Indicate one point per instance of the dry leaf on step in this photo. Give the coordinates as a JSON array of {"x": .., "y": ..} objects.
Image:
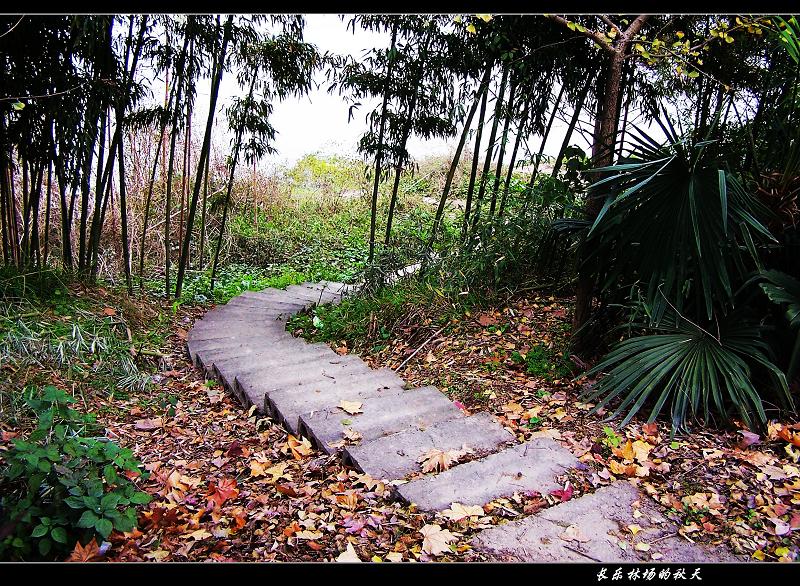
[
  {"x": 436, "y": 460},
  {"x": 351, "y": 407}
]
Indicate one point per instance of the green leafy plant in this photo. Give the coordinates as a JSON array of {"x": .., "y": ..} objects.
[
  {"x": 693, "y": 370},
  {"x": 62, "y": 485},
  {"x": 784, "y": 289},
  {"x": 612, "y": 440}
]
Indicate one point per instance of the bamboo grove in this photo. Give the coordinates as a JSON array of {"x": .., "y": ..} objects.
[{"x": 80, "y": 131}]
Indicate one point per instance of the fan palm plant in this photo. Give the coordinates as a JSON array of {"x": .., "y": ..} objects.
[{"x": 687, "y": 233}]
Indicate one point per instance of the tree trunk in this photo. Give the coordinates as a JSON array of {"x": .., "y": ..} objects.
[
  {"x": 483, "y": 88},
  {"x": 123, "y": 214},
  {"x": 604, "y": 155},
  {"x": 201, "y": 163},
  {"x": 546, "y": 135},
  {"x": 571, "y": 128},
  {"x": 379, "y": 154},
  {"x": 512, "y": 162},
  {"x": 476, "y": 154},
  {"x": 499, "y": 170},
  {"x": 203, "y": 214},
  {"x": 490, "y": 147}
]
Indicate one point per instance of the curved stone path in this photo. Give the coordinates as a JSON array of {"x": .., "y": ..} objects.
[{"x": 244, "y": 345}]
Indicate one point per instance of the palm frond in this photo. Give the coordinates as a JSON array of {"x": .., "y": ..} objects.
[{"x": 698, "y": 373}]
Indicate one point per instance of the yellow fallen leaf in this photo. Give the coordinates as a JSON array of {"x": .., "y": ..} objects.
[
  {"x": 351, "y": 407},
  {"x": 641, "y": 451},
  {"x": 299, "y": 447},
  {"x": 642, "y": 547},
  {"x": 625, "y": 452},
  {"x": 457, "y": 511},
  {"x": 634, "y": 529},
  {"x": 198, "y": 535},
  {"x": 394, "y": 557}
]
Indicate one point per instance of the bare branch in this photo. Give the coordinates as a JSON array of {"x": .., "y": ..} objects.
[
  {"x": 593, "y": 35},
  {"x": 610, "y": 23}
]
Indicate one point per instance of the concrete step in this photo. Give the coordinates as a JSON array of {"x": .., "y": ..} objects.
[
  {"x": 531, "y": 466},
  {"x": 256, "y": 387},
  {"x": 264, "y": 305},
  {"x": 309, "y": 296},
  {"x": 220, "y": 319},
  {"x": 276, "y": 349},
  {"x": 291, "y": 403},
  {"x": 258, "y": 341},
  {"x": 222, "y": 329},
  {"x": 392, "y": 457},
  {"x": 413, "y": 409},
  {"x": 313, "y": 368},
  {"x": 590, "y": 528}
]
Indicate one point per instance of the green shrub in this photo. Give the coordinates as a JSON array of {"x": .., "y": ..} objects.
[{"x": 62, "y": 485}]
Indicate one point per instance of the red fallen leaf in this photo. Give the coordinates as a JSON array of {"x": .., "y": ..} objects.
[
  {"x": 486, "y": 319},
  {"x": 710, "y": 527},
  {"x": 9, "y": 435},
  {"x": 650, "y": 429},
  {"x": 292, "y": 529},
  {"x": 286, "y": 489},
  {"x": 559, "y": 313},
  {"x": 90, "y": 553},
  {"x": 748, "y": 439},
  {"x": 564, "y": 494},
  {"x": 109, "y": 311},
  {"x": 219, "y": 493},
  {"x": 780, "y": 509},
  {"x": 794, "y": 523},
  {"x": 234, "y": 450},
  {"x": 314, "y": 545},
  {"x": 182, "y": 334}
]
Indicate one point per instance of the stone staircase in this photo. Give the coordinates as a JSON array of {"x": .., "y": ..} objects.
[{"x": 245, "y": 346}]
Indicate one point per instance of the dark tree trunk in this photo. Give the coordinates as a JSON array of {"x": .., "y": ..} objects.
[
  {"x": 379, "y": 154},
  {"x": 484, "y": 87},
  {"x": 476, "y": 155},
  {"x": 201, "y": 163},
  {"x": 546, "y": 135},
  {"x": 512, "y": 162},
  {"x": 571, "y": 128},
  {"x": 499, "y": 169},
  {"x": 490, "y": 147}
]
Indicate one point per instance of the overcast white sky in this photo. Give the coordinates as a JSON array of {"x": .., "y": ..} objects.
[{"x": 318, "y": 122}]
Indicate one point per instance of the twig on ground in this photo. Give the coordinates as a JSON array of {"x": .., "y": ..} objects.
[{"x": 414, "y": 353}]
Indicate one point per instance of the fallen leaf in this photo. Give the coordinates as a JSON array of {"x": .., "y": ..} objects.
[
  {"x": 573, "y": 533},
  {"x": 348, "y": 555},
  {"x": 148, "y": 424},
  {"x": 564, "y": 494},
  {"x": 486, "y": 319},
  {"x": 299, "y": 447},
  {"x": 457, "y": 511},
  {"x": 351, "y": 407},
  {"x": 436, "y": 460},
  {"x": 625, "y": 452},
  {"x": 109, "y": 311},
  {"x": 748, "y": 439},
  {"x": 436, "y": 539},
  {"x": 308, "y": 534},
  {"x": 89, "y": 553},
  {"x": 219, "y": 493},
  {"x": 641, "y": 451}
]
